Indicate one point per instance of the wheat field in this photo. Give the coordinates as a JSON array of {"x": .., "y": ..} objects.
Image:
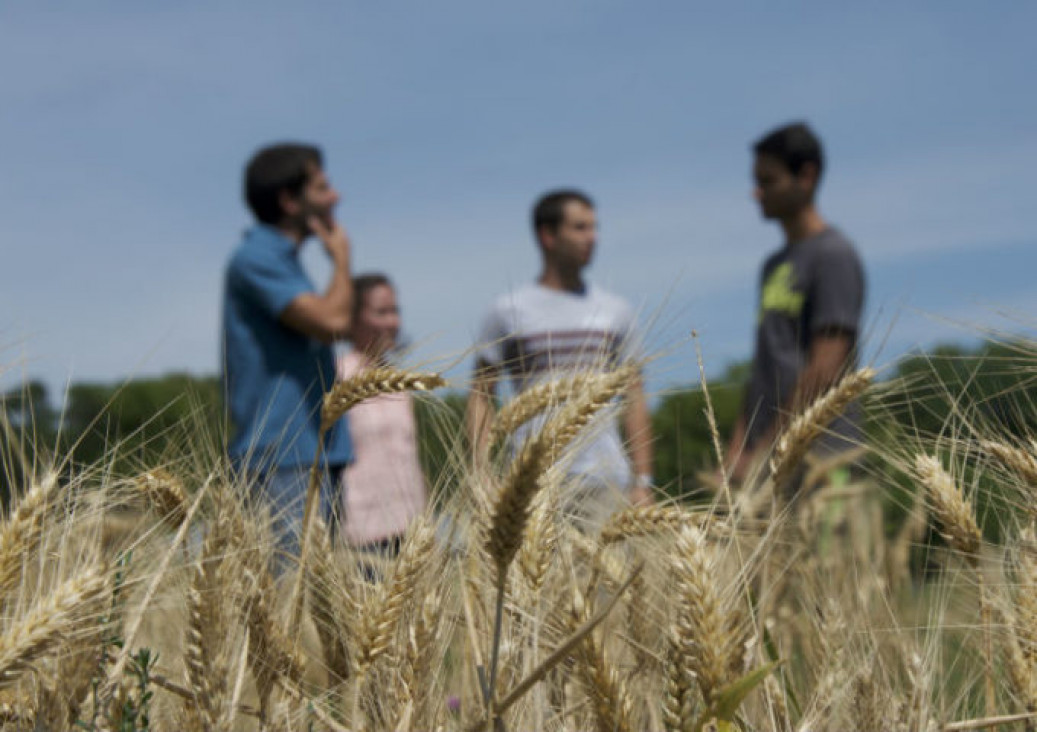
[{"x": 145, "y": 601}]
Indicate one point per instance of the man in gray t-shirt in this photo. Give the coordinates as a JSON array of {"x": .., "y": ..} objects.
[{"x": 810, "y": 303}]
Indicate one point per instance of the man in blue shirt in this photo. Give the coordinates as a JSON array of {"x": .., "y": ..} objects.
[{"x": 277, "y": 335}]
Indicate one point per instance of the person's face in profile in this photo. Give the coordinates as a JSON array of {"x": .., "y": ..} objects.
[
  {"x": 318, "y": 198},
  {"x": 780, "y": 193},
  {"x": 574, "y": 241},
  {"x": 377, "y": 322}
]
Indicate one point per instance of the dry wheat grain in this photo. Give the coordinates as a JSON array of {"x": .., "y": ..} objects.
[
  {"x": 794, "y": 442},
  {"x": 383, "y": 380},
  {"x": 49, "y": 621},
  {"x": 952, "y": 509}
]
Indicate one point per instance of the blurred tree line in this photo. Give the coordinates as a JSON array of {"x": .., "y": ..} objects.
[{"x": 145, "y": 422}]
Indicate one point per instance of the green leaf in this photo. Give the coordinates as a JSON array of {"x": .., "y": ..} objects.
[{"x": 721, "y": 712}]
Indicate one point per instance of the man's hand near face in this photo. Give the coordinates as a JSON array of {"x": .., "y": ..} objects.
[
  {"x": 326, "y": 317},
  {"x": 334, "y": 238}
]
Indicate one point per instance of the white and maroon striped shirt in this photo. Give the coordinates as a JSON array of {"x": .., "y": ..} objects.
[{"x": 536, "y": 334}]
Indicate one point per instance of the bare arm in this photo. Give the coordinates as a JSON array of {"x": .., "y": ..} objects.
[
  {"x": 479, "y": 411},
  {"x": 826, "y": 363},
  {"x": 326, "y": 317},
  {"x": 736, "y": 458},
  {"x": 638, "y": 426}
]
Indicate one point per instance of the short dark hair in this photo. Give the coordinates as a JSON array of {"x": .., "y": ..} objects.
[
  {"x": 549, "y": 211},
  {"x": 363, "y": 284},
  {"x": 795, "y": 145},
  {"x": 276, "y": 168}
]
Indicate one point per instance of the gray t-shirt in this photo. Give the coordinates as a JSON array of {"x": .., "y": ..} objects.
[{"x": 813, "y": 286}]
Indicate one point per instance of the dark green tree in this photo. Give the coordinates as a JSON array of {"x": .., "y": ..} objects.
[{"x": 683, "y": 441}]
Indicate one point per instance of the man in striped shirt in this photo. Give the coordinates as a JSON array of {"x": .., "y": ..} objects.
[{"x": 558, "y": 325}]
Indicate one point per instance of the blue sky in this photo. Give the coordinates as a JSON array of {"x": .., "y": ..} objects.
[{"x": 124, "y": 128}]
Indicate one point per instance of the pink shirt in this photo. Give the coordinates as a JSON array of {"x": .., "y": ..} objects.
[{"x": 384, "y": 488}]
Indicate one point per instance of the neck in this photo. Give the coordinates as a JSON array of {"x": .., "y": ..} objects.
[
  {"x": 554, "y": 278},
  {"x": 292, "y": 233},
  {"x": 803, "y": 225}
]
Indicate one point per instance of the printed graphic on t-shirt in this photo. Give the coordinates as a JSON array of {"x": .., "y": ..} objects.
[{"x": 779, "y": 293}]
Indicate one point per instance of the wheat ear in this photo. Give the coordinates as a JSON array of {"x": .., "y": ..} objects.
[
  {"x": 49, "y": 622},
  {"x": 272, "y": 657},
  {"x": 165, "y": 492},
  {"x": 955, "y": 516},
  {"x": 511, "y": 512},
  {"x": 707, "y": 630},
  {"x": 535, "y": 400},
  {"x": 22, "y": 531},
  {"x": 610, "y": 701},
  {"x": 1024, "y": 598},
  {"x": 382, "y": 615},
  {"x": 1019, "y": 461},
  {"x": 417, "y": 673},
  {"x": 953, "y": 511},
  {"x": 348, "y": 393},
  {"x": 134, "y": 625},
  {"x": 205, "y": 677},
  {"x": 804, "y": 429},
  {"x": 638, "y": 521},
  {"x": 334, "y": 606},
  {"x": 540, "y": 542}
]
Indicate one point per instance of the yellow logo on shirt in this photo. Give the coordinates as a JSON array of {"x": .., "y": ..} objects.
[{"x": 778, "y": 294}]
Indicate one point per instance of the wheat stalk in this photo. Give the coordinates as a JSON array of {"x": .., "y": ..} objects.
[{"x": 804, "y": 429}]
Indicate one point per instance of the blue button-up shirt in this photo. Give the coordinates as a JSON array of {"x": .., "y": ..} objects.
[{"x": 274, "y": 377}]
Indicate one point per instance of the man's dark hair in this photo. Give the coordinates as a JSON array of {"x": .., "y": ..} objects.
[
  {"x": 363, "y": 284},
  {"x": 283, "y": 167},
  {"x": 795, "y": 145},
  {"x": 549, "y": 211}
]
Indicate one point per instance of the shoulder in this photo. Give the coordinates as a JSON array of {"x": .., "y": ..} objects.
[
  {"x": 517, "y": 298},
  {"x": 607, "y": 299},
  {"x": 610, "y": 304},
  {"x": 834, "y": 243},
  {"x": 349, "y": 364},
  {"x": 262, "y": 250},
  {"x": 772, "y": 260}
]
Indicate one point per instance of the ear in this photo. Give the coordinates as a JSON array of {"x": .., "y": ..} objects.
[
  {"x": 290, "y": 206},
  {"x": 808, "y": 175},
  {"x": 546, "y": 238}
]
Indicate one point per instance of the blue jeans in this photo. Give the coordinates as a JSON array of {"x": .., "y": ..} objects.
[{"x": 283, "y": 493}]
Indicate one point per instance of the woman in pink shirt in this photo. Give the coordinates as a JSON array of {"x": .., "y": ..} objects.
[{"x": 383, "y": 489}]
